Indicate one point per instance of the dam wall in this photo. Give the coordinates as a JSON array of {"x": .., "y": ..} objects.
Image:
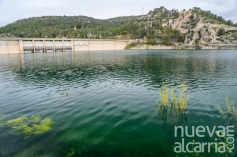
[
  {"x": 9, "y": 47},
  {"x": 34, "y": 45}
]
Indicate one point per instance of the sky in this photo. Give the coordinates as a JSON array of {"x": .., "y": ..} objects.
[{"x": 12, "y": 10}]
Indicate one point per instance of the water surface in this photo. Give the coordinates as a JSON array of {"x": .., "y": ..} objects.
[{"x": 109, "y": 107}]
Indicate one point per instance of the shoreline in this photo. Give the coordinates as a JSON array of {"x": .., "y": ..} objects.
[{"x": 203, "y": 47}]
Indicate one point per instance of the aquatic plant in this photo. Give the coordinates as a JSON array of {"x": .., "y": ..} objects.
[
  {"x": 2, "y": 117},
  {"x": 28, "y": 125},
  {"x": 180, "y": 102},
  {"x": 66, "y": 92},
  {"x": 231, "y": 109},
  {"x": 164, "y": 95},
  {"x": 168, "y": 104},
  {"x": 70, "y": 153}
]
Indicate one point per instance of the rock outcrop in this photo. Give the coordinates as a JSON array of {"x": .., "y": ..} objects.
[{"x": 195, "y": 29}]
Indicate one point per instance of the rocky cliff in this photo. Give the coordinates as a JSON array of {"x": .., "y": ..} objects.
[{"x": 197, "y": 26}]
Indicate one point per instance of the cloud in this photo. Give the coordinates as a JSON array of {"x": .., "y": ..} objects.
[{"x": 12, "y": 10}]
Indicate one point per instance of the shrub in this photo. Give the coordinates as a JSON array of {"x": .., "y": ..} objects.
[
  {"x": 181, "y": 39},
  {"x": 130, "y": 45},
  {"x": 124, "y": 33},
  {"x": 151, "y": 39},
  {"x": 152, "y": 42}
]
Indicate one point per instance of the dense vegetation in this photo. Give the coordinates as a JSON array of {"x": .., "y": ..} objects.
[{"x": 67, "y": 26}]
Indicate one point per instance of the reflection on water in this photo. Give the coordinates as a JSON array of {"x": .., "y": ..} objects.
[{"x": 103, "y": 103}]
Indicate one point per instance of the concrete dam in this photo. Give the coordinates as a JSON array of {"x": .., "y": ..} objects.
[{"x": 34, "y": 45}]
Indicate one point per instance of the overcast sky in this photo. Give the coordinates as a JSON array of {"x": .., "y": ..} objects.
[{"x": 12, "y": 10}]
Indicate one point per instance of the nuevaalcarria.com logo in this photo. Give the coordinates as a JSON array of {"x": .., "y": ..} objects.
[{"x": 223, "y": 143}]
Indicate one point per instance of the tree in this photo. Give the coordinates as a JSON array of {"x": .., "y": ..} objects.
[
  {"x": 157, "y": 25},
  {"x": 151, "y": 39},
  {"x": 221, "y": 32},
  {"x": 229, "y": 22},
  {"x": 196, "y": 8},
  {"x": 166, "y": 40},
  {"x": 176, "y": 34}
]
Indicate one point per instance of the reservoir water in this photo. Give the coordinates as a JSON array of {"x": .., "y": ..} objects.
[{"x": 103, "y": 103}]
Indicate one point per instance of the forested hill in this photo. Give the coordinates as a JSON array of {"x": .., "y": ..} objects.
[
  {"x": 194, "y": 26},
  {"x": 72, "y": 26}
]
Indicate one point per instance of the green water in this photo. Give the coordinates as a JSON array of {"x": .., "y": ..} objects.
[{"x": 109, "y": 108}]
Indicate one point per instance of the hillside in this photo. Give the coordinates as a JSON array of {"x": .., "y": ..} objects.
[
  {"x": 194, "y": 26},
  {"x": 70, "y": 26}
]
